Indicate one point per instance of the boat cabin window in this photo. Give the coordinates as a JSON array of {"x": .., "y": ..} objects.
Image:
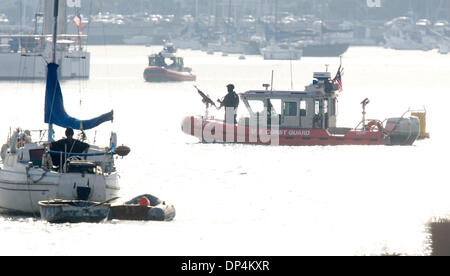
[
  {"x": 152, "y": 61},
  {"x": 318, "y": 114},
  {"x": 275, "y": 106},
  {"x": 325, "y": 111},
  {"x": 36, "y": 156},
  {"x": 302, "y": 108},
  {"x": 290, "y": 109},
  {"x": 256, "y": 105},
  {"x": 332, "y": 108},
  {"x": 176, "y": 61},
  {"x": 180, "y": 61},
  {"x": 316, "y": 107},
  {"x": 163, "y": 61}
]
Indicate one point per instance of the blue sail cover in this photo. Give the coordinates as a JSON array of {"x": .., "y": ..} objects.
[{"x": 54, "y": 106}]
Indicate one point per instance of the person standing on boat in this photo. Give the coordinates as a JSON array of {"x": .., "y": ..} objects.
[
  {"x": 231, "y": 103},
  {"x": 160, "y": 60},
  {"x": 67, "y": 145}
]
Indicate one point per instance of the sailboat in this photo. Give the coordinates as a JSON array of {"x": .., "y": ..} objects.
[{"x": 27, "y": 171}]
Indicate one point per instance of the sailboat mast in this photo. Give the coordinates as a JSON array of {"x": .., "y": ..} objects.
[{"x": 55, "y": 28}]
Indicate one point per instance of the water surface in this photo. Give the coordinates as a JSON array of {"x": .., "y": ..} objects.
[{"x": 246, "y": 199}]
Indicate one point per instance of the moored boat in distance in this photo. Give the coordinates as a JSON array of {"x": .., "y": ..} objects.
[
  {"x": 301, "y": 118},
  {"x": 281, "y": 52},
  {"x": 324, "y": 49},
  {"x": 159, "y": 71}
]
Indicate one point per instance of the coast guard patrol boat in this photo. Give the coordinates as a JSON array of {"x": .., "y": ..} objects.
[{"x": 301, "y": 118}]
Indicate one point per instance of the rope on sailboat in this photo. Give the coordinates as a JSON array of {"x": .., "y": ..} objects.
[{"x": 27, "y": 168}]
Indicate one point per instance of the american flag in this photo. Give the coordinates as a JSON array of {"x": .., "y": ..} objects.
[
  {"x": 338, "y": 78},
  {"x": 77, "y": 20}
]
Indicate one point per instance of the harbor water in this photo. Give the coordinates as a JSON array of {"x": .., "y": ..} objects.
[{"x": 245, "y": 199}]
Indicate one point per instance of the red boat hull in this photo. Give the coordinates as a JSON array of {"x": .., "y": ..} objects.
[
  {"x": 161, "y": 74},
  {"x": 210, "y": 131}
]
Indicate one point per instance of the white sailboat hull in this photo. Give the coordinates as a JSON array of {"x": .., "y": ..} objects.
[{"x": 21, "y": 193}]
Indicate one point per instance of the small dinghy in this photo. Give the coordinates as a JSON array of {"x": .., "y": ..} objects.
[
  {"x": 143, "y": 207},
  {"x": 61, "y": 211}
]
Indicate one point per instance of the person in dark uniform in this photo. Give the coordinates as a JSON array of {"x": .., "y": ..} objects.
[
  {"x": 67, "y": 145},
  {"x": 160, "y": 60},
  {"x": 231, "y": 103}
]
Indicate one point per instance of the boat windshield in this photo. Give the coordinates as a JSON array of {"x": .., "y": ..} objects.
[
  {"x": 172, "y": 62},
  {"x": 264, "y": 105},
  {"x": 256, "y": 106},
  {"x": 275, "y": 106}
]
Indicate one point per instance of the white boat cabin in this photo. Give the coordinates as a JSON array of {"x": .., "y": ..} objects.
[
  {"x": 313, "y": 108},
  {"x": 167, "y": 60}
]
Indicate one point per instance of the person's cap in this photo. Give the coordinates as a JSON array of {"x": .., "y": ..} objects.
[
  {"x": 230, "y": 86},
  {"x": 69, "y": 131}
]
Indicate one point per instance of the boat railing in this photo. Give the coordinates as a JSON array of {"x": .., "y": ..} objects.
[
  {"x": 23, "y": 137},
  {"x": 106, "y": 165},
  {"x": 418, "y": 112},
  {"x": 410, "y": 111},
  {"x": 71, "y": 154},
  {"x": 33, "y": 45},
  {"x": 364, "y": 123}
]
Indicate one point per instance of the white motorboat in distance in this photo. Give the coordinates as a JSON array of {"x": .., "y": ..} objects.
[{"x": 277, "y": 52}]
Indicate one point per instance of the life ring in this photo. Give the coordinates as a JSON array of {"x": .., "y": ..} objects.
[{"x": 374, "y": 123}]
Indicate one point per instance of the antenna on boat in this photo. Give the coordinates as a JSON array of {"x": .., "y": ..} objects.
[
  {"x": 55, "y": 28},
  {"x": 326, "y": 67},
  {"x": 364, "y": 103},
  {"x": 292, "y": 86},
  {"x": 271, "y": 83}
]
